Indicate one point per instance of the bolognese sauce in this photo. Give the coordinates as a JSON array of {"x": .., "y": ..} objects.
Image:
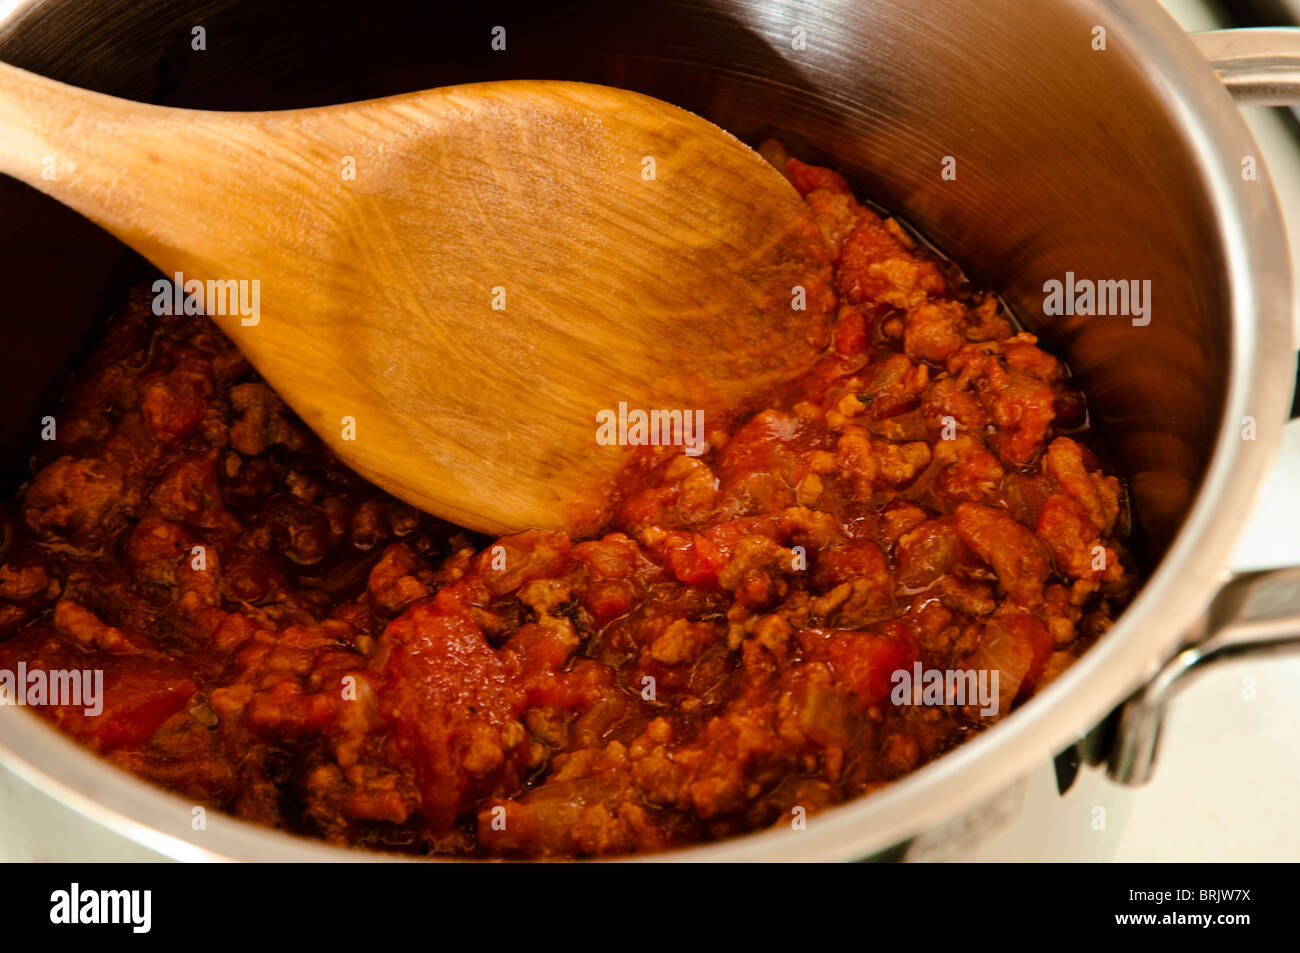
[{"x": 284, "y": 641}]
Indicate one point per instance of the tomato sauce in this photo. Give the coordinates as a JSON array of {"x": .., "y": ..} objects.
[{"x": 282, "y": 640}]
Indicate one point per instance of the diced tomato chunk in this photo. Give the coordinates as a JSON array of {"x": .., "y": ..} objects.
[
  {"x": 865, "y": 661},
  {"x": 807, "y": 178},
  {"x": 139, "y": 696},
  {"x": 693, "y": 559}
]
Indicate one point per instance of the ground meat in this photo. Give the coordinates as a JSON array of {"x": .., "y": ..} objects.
[
  {"x": 78, "y": 500},
  {"x": 933, "y": 330},
  {"x": 1009, "y": 548},
  {"x": 284, "y": 641},
  {"x": 264, "y": 421}
]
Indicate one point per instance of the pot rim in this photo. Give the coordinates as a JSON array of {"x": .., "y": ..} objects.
[{"x": 1262, "y": 365}]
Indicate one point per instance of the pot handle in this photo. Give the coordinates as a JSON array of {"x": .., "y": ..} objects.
[
  {"x": 1259, "y": 66},
  {"x": 1255, "y": 613}
]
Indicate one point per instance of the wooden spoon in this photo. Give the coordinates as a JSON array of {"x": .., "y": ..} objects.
[{"x": 453, "y": 285}]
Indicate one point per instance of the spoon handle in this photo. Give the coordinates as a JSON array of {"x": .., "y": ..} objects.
[
  {"x": 162, "y": 180},
  {"x": 44, "y": 126},
  {"x": 94, "y": 153}
]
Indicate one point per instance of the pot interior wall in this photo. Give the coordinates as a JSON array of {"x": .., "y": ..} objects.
[{"x": 1065, "y": 160}]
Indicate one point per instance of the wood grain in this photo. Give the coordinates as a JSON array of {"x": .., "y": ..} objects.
[{"x": 377, "y": 292}]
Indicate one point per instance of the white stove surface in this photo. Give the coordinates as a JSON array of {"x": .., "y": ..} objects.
[{"x": 1228, "y": 778}]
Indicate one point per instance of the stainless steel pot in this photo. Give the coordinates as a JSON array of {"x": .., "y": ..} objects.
[{"x": 1090, "y": 136}]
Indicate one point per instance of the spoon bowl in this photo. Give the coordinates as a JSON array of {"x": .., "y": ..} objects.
[{"x": 467, "y": 292}]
